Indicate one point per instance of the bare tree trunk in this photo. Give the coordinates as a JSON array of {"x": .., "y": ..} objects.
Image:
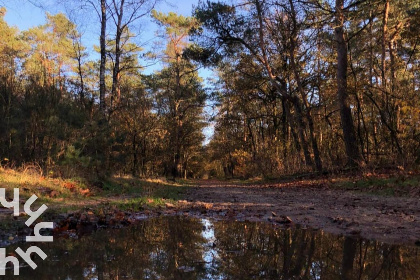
[
  {"x": 134, "y": 150},
  {"x": 115, "y": 91},
  {"x": 301, "y": 131},
  {"x": 394, "y": 123},
  {"x": 279, "y": 85},
  {"x": 292, "y": 50},
  {"x": 384, "y": 35},
  {"x": 80, "y": 73},
  {"x": 102, "y": 105},
  {"x": 352, "y": 150},
  {"x": 178, "y": 126},
  {"x": 360, "y": 117}
]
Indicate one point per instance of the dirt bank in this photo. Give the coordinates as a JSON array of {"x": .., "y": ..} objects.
[{"x": 388, "y": 219}]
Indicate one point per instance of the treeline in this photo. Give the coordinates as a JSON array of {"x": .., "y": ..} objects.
[
  {"x": 73, "y": 115},
  {"x": 302, "y": 86},
  {"x": 313, "y": 85}
]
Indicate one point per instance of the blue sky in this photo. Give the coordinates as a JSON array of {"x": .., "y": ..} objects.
[{"x": 24, "y": 15}]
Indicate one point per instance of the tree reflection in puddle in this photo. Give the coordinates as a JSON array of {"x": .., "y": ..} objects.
[{"x": 186, "y": 248}]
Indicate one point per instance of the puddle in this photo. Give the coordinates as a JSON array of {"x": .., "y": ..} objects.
[{"x": 175, "y": 247}]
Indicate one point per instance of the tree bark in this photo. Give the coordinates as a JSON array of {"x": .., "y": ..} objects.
[
  {"x": 301, "y": 131},
  {"x": 80, "y": 72},
  {"x": 352, "y": 150},
  {"x": 394, "y": 122},
  {"x": 292, "y": 50},
  {"x": 134, "y": 150},
  {"x": 384, "y": 35},
  {"x": 263, "y": 58},
  {"x": 115, "y": 91},
  {"x": 102, "y": 105}
]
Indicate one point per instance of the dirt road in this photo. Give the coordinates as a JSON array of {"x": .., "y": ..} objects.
[{"x": 388, "y": 219}]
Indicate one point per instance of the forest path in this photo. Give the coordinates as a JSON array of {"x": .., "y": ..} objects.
[{"x": 388, "y": 219}]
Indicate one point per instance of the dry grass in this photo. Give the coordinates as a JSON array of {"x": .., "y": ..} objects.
[
  {"x": 43, "y": 187},
  {"x": 72, "y": 194}
]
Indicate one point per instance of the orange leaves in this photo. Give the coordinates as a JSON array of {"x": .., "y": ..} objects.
[
  {"x": 74, "y": 188},
  {"x": 69, "y": 186}
]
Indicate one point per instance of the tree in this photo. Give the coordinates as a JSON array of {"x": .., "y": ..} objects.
[
  {"x": 101, "y": 8},
  {"x": 234, "y": 34},
  {"x": 124, "y": 13},
  {"x": 301, "y": 86},
  {"x": 349, "y": 136},
  {"x": 298, "y": 65},
  {"x": 12, "y": 52},
  {"x": 179, "y": 94},
  {"x": 102, "y": 88}
]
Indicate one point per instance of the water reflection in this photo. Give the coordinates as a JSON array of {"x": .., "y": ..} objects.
[{"x": 185, "y": 248}]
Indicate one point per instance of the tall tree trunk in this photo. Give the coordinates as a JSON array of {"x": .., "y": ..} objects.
[
  {"x": 115, "y": 91},
  {"x": 292, "y": 51},
  {"x": 80, "y": 73},
  {"x": 395, "y": 108},
  {"x": 289, "y": 128},
  {"x": 301, "y": 130},
  {"x": 384, "y": 35},
  {"x": 352, "y": 150},
  {"x": 102, "y": 105},
  {"x": 280, "y": 86},
  {"x": 178, "y": 125},
  {"x": 134, "y": 150},
  {"x": 360, "y": 116}
]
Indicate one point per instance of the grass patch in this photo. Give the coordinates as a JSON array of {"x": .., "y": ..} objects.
[
  {"x": 152, "y": 195},
  {"x": 386, "y": 186},
  {"x": 64, "y": 195}
]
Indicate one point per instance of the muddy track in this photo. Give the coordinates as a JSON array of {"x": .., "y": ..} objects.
[{"x": 388, "y": 219}]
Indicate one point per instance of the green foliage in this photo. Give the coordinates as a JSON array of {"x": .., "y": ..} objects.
[
  {"x": 49, "y": 112},
  {"x": 74, "y": 157}
]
